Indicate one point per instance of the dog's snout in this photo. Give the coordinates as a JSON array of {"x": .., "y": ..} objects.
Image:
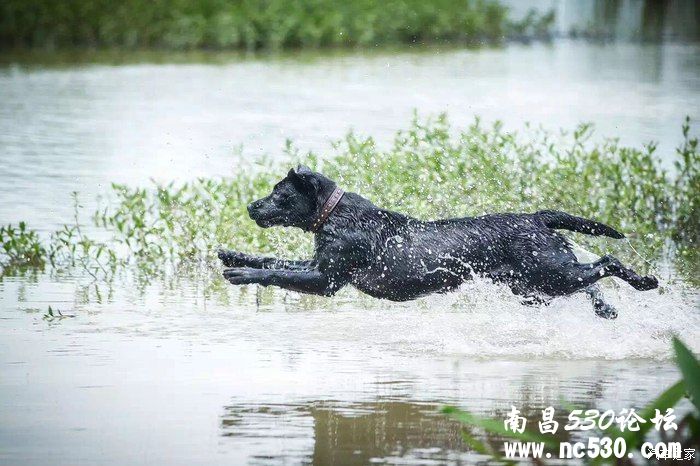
[{"x": 254, "y": 207}]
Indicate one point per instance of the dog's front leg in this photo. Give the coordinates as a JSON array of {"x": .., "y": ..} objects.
[
  {"x": 303, "y": 281},
  {"x": 239, "y": 259}
]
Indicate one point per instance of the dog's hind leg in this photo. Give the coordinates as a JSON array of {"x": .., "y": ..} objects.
[
  {"x": 638, "y": 282},
  {"x": 572, "y": 277},
  {"x": 527, "y": 296},
  {"x": 534, "y": 300},
  {"x": 602, "y": 309}
]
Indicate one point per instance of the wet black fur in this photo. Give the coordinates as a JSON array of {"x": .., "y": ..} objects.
[{"x": 393, "y": 256}]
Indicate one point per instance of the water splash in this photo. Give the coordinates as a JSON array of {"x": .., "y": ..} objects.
[{"x": 483, "y": 320}]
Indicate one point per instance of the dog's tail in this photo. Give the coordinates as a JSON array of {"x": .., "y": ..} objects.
[{"x": 558, "y": 220}]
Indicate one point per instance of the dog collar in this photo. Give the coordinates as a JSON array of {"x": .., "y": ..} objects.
[{"x": 327, "y": 208}]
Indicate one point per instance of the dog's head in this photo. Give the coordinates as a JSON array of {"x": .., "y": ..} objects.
[{"x": 295, "y": 201}]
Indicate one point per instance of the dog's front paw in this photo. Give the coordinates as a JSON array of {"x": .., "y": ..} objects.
[
  {"x": 232, "y": 258},
  {"x": 242, "y": 276},
  {"x": 648, "y": 283},
  {"x": 606, "y": 311}
]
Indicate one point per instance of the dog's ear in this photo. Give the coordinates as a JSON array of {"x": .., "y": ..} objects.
[
  {"x": 303, "y": 170},
  {"x": 306, "y": 177}
]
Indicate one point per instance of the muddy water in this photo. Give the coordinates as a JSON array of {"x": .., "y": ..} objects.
[{"x": 194, "y": 372}]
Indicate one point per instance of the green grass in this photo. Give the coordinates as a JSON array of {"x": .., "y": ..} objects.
[
  {"x": 258, "y": 24},
  {"x": 430, "y": 171}
]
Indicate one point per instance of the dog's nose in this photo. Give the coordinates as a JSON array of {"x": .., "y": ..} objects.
[{"x": 251, "y": 208}]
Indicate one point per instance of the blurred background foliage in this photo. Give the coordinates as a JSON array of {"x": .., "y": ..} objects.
[{"x": 258, "y": 24}]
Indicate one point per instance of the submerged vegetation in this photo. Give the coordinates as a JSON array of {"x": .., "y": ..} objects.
[
  {"x": 253, "y": 24},
  {"x": 431, "y": 170}
]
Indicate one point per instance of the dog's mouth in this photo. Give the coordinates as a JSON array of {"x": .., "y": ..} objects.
[
  {"x": 265, "y": 218},
  {"x": 264, "y": 223},
  {"x": 267, "y": 222}
]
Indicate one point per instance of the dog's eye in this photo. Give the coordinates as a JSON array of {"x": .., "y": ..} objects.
[{"x": 282, "y": 197}]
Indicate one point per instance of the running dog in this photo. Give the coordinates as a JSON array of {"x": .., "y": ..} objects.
[{"x": 393, "y": 256}]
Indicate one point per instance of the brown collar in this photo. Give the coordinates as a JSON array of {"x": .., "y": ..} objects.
[{"x": 327, "y": 209}]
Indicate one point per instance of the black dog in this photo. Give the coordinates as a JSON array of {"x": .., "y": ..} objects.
[{"x": 389, "y": 255}]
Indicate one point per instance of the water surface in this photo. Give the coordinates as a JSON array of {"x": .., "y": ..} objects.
[
  {"x": 195, "y": 372},
  {"x": 181, "y": 376},
  {"x": 81, "y": 128}
]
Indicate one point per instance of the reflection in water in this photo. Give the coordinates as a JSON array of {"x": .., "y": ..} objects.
[
  {"x": 653, "y": 15},
  {"x": 385, "y": 431},
  {"x": 647, "y": 20},
  {"x": 350, "y": 433},
  {"x": 666, "y": 19}
]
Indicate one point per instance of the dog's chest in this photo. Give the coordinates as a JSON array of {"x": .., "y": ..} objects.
[
  {"x": 388, "y": 267},
  {"x": 375, "y": 282},
  {"x": 399, "y": 271}
]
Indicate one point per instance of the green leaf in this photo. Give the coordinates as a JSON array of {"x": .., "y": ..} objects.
[
  {"x": 497, "y": 427},
  {"x": 690, "y": 368},
  {"x": 483, "y": 448},
  {"x": 667, "y": 399},
  {"x": 476, "y": 445}
]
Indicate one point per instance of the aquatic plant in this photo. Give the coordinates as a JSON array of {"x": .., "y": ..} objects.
[
  {"x": 431, "y": 170},
  {"x": 687, "y": 187},
  {"x": 70, "y": 247},
  {"x": 253, "y": 24},
  {"x": 688, "y": 427},
  {"x": 432, "y": 173},
  {"x": 21, "y": 247},
  {"x": 55, "y": 314}
]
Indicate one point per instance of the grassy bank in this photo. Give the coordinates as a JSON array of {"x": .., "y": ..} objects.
[
  {"x": 253, "y": 24},
  {"x": 430, "y": 171}
]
